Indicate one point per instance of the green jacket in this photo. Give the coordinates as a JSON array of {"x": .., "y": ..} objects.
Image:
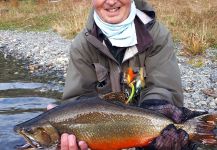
[{"x": 91, "y": 62}]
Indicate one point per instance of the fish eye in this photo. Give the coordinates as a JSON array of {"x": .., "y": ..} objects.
[{"x": 28, "y": 130}]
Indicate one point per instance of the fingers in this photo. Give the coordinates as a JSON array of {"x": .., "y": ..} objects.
[
  {"x": 183, "y": 137},
  {"x": 172, "y": 139},
  {"x": 72, "y": 142},
  {"x": 69, "y": 142},
  {"x": 50, "y": 106},
  {"x": 64, "y": 142},
  {"x": 82, "y": 145}
]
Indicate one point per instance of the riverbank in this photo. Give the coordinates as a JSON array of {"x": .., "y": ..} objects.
[{"x": 46, "y": 53}]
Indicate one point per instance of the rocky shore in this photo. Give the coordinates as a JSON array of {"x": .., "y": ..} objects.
[{"x": 46, "y": 53}]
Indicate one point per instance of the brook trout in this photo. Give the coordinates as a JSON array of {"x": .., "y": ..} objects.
[{"x": 108, "y": 126}]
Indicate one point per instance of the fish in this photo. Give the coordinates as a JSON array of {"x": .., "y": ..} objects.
[{"x": 106, "y": 125}]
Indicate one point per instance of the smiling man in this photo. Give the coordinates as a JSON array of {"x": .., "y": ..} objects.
[
  {"x": 123, "y": 34},
  {"x": 112, "y": 11}
]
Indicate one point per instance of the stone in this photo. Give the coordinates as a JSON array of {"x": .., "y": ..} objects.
[
  {"x": 213, "y": 75},
  {"x": 212, "y": 104}
]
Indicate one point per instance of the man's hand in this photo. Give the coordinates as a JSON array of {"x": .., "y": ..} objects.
[
  {"x": 50, "y": 106},
  {"x": 68, "y": 141},
  {"x": 171, "y": 138}
]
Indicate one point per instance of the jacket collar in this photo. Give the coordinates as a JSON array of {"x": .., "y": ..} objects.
[{"x": 144, "y": 39}]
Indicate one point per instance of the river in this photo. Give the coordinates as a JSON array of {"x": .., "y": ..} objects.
[{"x": 22, "y": 96}]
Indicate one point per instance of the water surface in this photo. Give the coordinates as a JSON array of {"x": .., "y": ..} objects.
[{"x": 22, "y": 97}]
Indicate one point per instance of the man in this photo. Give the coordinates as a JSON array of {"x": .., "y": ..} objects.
[{"x": 122, "y": 34}]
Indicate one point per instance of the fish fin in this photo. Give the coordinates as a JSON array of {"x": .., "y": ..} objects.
[{"x": 205, "y": 131}]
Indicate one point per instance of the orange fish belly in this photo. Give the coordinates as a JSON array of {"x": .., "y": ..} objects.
[{"x": 118, "y": 144}]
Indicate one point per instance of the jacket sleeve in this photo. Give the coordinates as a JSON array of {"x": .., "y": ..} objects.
[
  {"x": 163, "y": 79},
  {"x": 81, "y": 78}
]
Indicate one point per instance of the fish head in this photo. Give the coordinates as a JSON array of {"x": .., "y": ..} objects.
[{"x": 38, "y": 135}]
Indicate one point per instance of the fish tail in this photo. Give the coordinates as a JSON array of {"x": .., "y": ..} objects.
[{"x": 204, "y": 130}]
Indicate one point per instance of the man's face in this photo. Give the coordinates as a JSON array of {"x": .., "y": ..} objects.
[{"x": 112, "y": 11}]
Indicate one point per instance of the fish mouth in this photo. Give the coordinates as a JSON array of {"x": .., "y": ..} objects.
[{"x": 30, "y": 142}]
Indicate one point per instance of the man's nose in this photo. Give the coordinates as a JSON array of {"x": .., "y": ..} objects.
[{"x": 111, "y": 2}]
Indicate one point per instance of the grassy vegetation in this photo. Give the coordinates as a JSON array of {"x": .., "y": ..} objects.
[
  {"x": 192, "y": 22},
  {"x": 66, "y": 17},
  {"x": 196, "y": 62}
]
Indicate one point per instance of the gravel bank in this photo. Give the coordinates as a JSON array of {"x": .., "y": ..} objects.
[{"x": 47, "y": 53}]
